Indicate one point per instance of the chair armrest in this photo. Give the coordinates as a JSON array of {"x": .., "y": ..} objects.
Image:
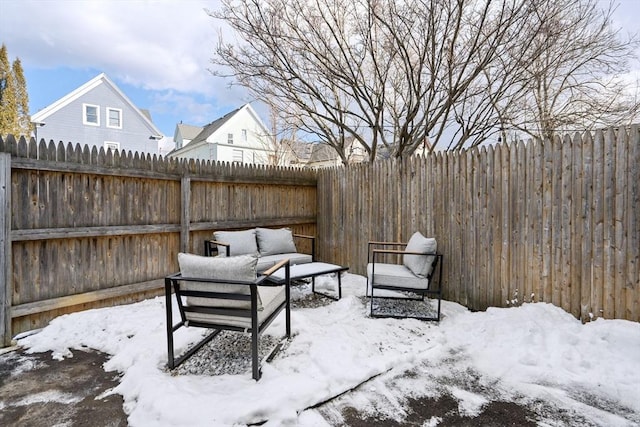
[
  {"x": 313, "y": 244},
  {"x": 377, "y": 252},
  {"x": 304, "y": 236},
  {"x": 287, "y": 280},
  {"x": 209, "y": 246},
  {"x": 399, "y": 252},
  {"x": 376, "y": 243},
  {"x": 275, "y": 268},
  {"x": 371, "y": 242}
]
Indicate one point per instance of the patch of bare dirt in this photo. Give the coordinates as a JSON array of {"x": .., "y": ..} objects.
[{"x": 36, "y": 390}]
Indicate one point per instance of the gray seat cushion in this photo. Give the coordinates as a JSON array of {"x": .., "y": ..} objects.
[
  {"x": 396, "y": 275},
  {"x": 266, "y": 262},
  {"x": 420, "y": 265},
  {"x": 271, "y": 296},
  {"x": 241, "y": 267},
  {"x": 241, "y": 242},
  {"x": 273, "y": 242}
]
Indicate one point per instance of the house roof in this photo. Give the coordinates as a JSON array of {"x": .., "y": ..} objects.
[
  {"x": 300, "y": 150},
  {"x": 209, "y": 129},
  {"x": 189, "y": 131},
  {"x": 101, "y": 78},
  {"x": 312, "y": 152},
  {"x": 322, "y": 152}
]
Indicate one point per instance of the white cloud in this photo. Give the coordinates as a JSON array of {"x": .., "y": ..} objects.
[{"x": 156, "y": 45}]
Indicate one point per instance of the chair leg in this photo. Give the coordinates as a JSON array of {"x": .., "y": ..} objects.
[
  {"x": 366, "y": 290},
  {"x": 371, "y": 303},
  {"x": 287, "y": 317},
  {"x": 169, "y": 320},
  {"x": 255, "y": 359}
]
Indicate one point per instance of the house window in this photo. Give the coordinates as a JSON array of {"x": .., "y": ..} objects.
[
  {"x": 91, "y": 114},
  {"x": 244, "y": 135},
  {"x": 114, "y": 118},
  {"x": 238, "y": 156},
  {"x": 229, "y": 138},
  {"x": 114, "y": 146}
]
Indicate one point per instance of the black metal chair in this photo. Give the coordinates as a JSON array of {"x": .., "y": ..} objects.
[
  {"x": 385, "y": 276},
  {"x": 219, "y": 303}
]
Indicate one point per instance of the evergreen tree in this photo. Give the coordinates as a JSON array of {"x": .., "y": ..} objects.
[
  {"x": 14, "y": 100},
  {"x": 22, "y": 98}
]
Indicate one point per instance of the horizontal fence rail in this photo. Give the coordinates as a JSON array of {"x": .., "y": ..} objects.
[
  {"x": 557, "y": 221},
  {"x": 84, "y": 228}
]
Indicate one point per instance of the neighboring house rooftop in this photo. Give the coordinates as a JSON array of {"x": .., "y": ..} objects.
[
  {"x": 313, "y": 152},
  {"x": 320, "y": 154},
  {"x": 189, "y": 131},
  {"x": 209, "y": 129}
]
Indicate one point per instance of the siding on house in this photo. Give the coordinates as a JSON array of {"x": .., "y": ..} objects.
[{"x": 64, "y": 120}]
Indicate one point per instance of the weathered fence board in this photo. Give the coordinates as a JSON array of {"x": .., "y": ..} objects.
[
  {"x": 6, "y": 283},
  {"x": 632, "y": 284}
]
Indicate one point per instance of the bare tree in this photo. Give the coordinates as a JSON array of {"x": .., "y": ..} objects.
[
  {"x": 574, "y": 84},
  {"x": 281, "y": 137},
  {"x": 390, "y": 74}
]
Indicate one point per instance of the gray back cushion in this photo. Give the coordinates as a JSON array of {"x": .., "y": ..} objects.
[
  {"x": 241, "y": 267},
  {"x": 420, "y": 265},
  {"x": 273, "y": 242},
  {"x": 242, "y": 242}
]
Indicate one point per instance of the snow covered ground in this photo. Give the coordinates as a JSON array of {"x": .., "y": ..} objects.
[{"x": 530, "y": 354}]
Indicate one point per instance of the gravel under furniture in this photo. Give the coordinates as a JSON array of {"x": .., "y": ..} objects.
[{"x": 229, "y": 353}]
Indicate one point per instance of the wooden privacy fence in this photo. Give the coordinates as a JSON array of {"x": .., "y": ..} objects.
[
  {"x": 557, "y": 221},
  {"x": 81, "y": 228}
]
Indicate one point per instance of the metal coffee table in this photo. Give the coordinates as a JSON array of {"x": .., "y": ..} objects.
[{"x": 311, "y": 270}]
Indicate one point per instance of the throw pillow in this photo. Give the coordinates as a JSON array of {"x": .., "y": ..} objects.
[
  {"x": 241, "y": 242},
  {"x": 274, "y": 242},
  {"x": 420, "y": 265}
]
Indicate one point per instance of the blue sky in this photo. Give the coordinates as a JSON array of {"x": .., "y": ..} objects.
[{"x": 158, "y": 52}]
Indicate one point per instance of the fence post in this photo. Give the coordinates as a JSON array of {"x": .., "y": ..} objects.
[
  {"x": 185, "y": 216},
  {"x": 6, "y": 284}
]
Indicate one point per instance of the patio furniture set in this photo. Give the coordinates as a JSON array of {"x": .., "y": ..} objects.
[{"x": 243, "y": 283}]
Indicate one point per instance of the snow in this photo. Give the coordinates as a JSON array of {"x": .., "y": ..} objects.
[
  {"x": 305, "y": 270},
  {"x": 529, "y": 353}
]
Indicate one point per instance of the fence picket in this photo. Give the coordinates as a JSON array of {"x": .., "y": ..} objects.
[{"x": 632, "y": 283}]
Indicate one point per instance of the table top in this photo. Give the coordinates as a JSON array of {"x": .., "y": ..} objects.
[{"x": 311, "y": 269}]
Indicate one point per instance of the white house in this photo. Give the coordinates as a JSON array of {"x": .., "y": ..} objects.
[
  {"x": 184, "y": 134},
  {"x": 239, "y": 136},
  {"x": 98, "y": 114}
]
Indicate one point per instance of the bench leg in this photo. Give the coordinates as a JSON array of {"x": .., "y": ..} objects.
[{"x": 339, "y": 291}]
